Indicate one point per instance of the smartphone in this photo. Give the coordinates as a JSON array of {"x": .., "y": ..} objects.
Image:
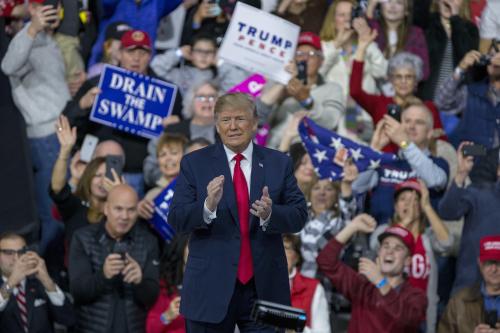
[
  {"x": 88, "y": 147},
  {"x": 394, "y": 111},
  {"x": 121, "y": 248},
  {"x": 302, "y": 71},
  {"x": 474, "y": 150},
  {"x": 54, "y": 4},
  {"x": 115, "y": 162},
  {"x": 491, "y": 318}
]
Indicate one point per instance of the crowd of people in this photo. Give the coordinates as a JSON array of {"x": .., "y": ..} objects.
[{"x": 410, "y": 245}]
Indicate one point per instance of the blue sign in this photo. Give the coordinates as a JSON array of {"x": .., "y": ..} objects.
[
  {"x": 162, "y": 206},
  {"x": 132, "y": 102}
]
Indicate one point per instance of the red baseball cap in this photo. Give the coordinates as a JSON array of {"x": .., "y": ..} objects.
[
  {"x": 38, "y": 1},
  {"x": 310, "y": 38},
  {"x": 400, "y": 232},
  {"x": 409, "y": 184},
  {"x": 489, "y": 248},
  {"x": 136, "y": 39}
]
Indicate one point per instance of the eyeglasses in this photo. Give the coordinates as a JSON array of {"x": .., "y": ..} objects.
[
  {"x": 491, "y": 263},
  {"x": 205, "y": 98},
  {"x": 10, "y": 252},
  {"x": 303, "y": 54},
  {"x": 204, "y": 52},
  {"x": 398, "y": 77}
]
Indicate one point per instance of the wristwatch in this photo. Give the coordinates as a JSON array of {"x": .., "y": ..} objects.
[
  {"x": 404, "y": 144},
  {"x": 458, "y": 72},
  {"x": 6, "y": 290}
]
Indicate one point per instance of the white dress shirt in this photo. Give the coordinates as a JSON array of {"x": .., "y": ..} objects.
[
  {"x": 55, "y": 297},
  {"x": 246, "y": 168}
]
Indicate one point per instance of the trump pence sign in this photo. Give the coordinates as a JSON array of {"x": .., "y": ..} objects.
[
  {"x": 132, "y": 102},
  {"x": 260, "y": 42}
]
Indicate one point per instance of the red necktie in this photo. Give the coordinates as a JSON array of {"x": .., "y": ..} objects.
[
  {"x": 23, "y": 310},
  {"x": 245, "y": 266}
]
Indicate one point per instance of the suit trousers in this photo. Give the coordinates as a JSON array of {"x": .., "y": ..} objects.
[{"x": 238, "y": 313}]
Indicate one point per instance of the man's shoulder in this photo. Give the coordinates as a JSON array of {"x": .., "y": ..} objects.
[
  {"x": 202, "y": 154},
  {"x": 87, "y": 231}
]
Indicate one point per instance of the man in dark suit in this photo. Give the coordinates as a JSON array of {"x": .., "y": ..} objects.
[
  {"x": 29, "y": 300},
  {"x": 235, "y": 199}
]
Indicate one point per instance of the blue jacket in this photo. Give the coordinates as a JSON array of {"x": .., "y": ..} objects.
[
  {"x": 144, "y": 16},
  {"x": 481, "y": 208},
  {"x": 211, "y": 269},
  {"x": 480, "y": 120}
]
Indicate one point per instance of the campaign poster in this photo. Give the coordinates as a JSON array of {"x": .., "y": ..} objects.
[
  {"x": 132, "y": 102},
  {"x": 260, "y": 42}
]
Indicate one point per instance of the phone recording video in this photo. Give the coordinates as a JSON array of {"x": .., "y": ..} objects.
[
  {"x": 116, "y": 163},
  {"x": 473, "y": 150},
  {"x": 394, "y": 111},
  {"x": 302, "y": 71}
]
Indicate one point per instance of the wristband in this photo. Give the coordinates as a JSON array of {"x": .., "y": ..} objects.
[
  {"x": 164, "y": 319},
  {"x": 382, "y": 283},
  {"x": 307, "y": 103},
  {"x": 458, "y": 72}
]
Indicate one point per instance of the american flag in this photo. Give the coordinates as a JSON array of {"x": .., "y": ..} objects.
[{"x": 329, "y": 151}]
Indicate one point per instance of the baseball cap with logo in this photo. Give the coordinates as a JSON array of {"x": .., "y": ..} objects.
[
  {"x": 310, "y": 38},
  {"x": 116, "y": 30},
  {"x": 136, "y": 39},
  {"x": 409, "y": 184},
  {"x": 400, "y": 232},
  {"x": 489, "y": 248}
]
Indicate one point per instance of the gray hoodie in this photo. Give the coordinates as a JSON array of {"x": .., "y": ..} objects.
[{"x": 36, "y": 71}]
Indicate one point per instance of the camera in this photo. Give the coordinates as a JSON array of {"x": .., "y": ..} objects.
[
  {"x": 473, "y": 150},
  {"x": 484, "y": 60}
]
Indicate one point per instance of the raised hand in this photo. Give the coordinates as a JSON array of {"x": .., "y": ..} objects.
[
  {"x": 370, "y": 269},
  {"x": 395, "y": 130},
  {"x": 113, "y": 265},
  {"x": 173, "y": 309},
  {"x": 214, "y": 192},
  {"x": 262, "y": 207},
  {"x": 108, "y": 184},
  {"x": 66, "y": 135},
  {"x": 88, "y": 99},
  {"x": 379, "y": 138},
  {"x": 42, "y": 17},
  {"x": 469, "y": 60},
  {"x": 146, "y": 209},
  {"x": 364, "y": 223},
  {"x": 464, "y": 164}
]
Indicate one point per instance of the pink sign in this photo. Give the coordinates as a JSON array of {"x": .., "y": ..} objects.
[{"x": 252, "y": 85}]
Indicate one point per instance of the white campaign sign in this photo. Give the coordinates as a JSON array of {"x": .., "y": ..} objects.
[{"x": 260, "y": 42}]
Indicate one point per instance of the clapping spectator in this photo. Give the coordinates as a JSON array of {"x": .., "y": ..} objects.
[
  {"x": 413, "y": 211},
  {"x": 381, "y": 297},
  {"x": 396, "y": 32},
  {"x": 36, "y": 71}
]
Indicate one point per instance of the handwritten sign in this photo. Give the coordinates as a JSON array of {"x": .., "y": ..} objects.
[{"x": 133, "y": 102}]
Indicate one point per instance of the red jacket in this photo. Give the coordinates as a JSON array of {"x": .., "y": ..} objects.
[
  {"x": 401, "y": 310},
  {"x": 376, "y": 105},
  {"x": 303, "y": 289},
  {"x": 153, "y": 322}
]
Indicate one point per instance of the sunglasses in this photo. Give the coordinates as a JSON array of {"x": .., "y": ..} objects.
[{"x": 10, "y": 252}]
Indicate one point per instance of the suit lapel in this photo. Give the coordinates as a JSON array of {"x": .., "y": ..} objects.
[
  {"x": 221, "y": 167},
  {"x": 257, "y": 180},
  {"x": 30, "y": 293}
]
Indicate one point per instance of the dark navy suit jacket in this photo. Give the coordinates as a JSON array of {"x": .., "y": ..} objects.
[
  {"x": 214, "y": 248},
  {"x": 41, "y": 312}
]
